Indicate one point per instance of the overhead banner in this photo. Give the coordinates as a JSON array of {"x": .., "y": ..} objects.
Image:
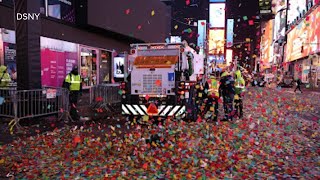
[
  {"x": 217, "y": 15},
  {"x": 230, "y": 24},
  {"x": 202, "y": 31},
  {"x": 303, "y": 40}
]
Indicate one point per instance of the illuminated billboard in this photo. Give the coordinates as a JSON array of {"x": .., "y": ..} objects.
[
  {"x": 216, "y": 41},
  {"x": 278, "y": 5},
  {"x": 280, "y": 25},
  {"x": 295, "y": 8},
  {"x": 217, "y": 15},
  {"x": 265, "y": 6},
  {"x": 230, "y": 23},
  {"x": 266, "y": 42},
  {"x": 202, "y": 31},
  {"x": 229, "y": 56},
  {"x": 303, "y": 40},
  {"x": 217, "y": 1}
]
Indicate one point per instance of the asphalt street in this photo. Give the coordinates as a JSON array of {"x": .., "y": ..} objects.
[{"x": 277, "y": 138}]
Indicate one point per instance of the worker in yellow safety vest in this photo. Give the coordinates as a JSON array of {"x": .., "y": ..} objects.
[
  {"x": 73, "y": 83},
  {"x": 4, "y": 77},
  {"x": 212, "y": 104},
  {"x": 239, "y": 89}
]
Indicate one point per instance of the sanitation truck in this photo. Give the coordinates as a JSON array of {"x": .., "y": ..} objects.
[{"x": 158, "y": 82}]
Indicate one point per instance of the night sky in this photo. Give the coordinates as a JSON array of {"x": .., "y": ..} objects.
[{"x": 242, "y": 11}]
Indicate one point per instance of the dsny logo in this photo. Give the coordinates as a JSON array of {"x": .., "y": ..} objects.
[{"x": 28, "y": 16}]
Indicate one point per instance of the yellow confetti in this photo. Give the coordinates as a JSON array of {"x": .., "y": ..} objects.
[
  {"x": 176, "y": 27},
  {"x": 145, "y": 118},
  {"x": 236, "y": 97},
  {"x": 2, "y": 161},
  {"x": 152, "y": 13},
  {"x": 154, "y": 144}
]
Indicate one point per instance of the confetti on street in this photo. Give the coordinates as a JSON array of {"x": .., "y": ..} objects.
[{"x": 272, "y": 141}]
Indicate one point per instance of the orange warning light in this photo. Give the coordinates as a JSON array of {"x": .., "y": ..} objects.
[{"x": 152, "y": 109}]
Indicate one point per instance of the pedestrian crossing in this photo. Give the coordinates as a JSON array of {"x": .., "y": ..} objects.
[{"x": 163, "y": 110}]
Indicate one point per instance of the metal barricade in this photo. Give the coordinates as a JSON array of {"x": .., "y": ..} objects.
[
  {"x": 22, "y": 104},
  {"x": 105, "y": 96}
]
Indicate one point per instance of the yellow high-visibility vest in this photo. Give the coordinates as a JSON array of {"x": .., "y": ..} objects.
[
  {"x": 214, "y": 87},
  {"x": 75, "y": 82}
]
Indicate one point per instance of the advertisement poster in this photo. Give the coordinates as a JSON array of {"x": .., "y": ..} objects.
[
  {"x": 314, "y": 31},
  {"x": 217, "y": 15},
  {"x": 10, "y": 60},
  {"x": 55, "y": 66},
  {"x": 52, "y": 65},
  {"x": 71, "y": 61},
  {"x": 303, "y": 40},
  {"x": 118, "y": 67}
]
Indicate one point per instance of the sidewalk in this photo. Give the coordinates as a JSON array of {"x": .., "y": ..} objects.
[{"x": 303, "y": 88}]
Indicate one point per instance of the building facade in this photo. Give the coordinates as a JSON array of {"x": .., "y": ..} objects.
[
  {"x": 85, "y": 33},
  {"x": 293, "y": 39}
]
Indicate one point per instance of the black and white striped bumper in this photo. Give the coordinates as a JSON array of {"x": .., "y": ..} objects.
[{"x": 164, "y": 110}]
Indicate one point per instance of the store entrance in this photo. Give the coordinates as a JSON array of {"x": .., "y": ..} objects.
[{"x": 88, "y": 67}]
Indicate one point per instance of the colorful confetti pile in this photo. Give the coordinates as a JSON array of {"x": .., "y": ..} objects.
[{"x": 273, "y": 141}]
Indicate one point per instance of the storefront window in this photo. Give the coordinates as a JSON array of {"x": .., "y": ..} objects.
[
  {"x": 57, "y": 60},
  {"x": 105, "y": 66},
  {"x": 88, "y": 66}
]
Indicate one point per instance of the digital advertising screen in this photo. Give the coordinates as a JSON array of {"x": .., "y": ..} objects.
[
  {"x": 265, "y": 6},
  {"x": 230, "y": 24},
  {"x": 295, "y": 8},
  {"x": 202, "y": 31},
  {"x": 229, "y": 56},
  {"x": 278, "y": 5},
  {"x": 217, "y": 1},
  {"x": 118, "y": 67},
  {"x": 279, "y": 25},
  {"x": 64, "y": 10},
  {"x": 216, "y": 41},
  {"x": 266, "y": 42},
  {"x": 303, "y": 40},
  {"x": 175, "y": 39},
  {"x": 217, "y": 15}
]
